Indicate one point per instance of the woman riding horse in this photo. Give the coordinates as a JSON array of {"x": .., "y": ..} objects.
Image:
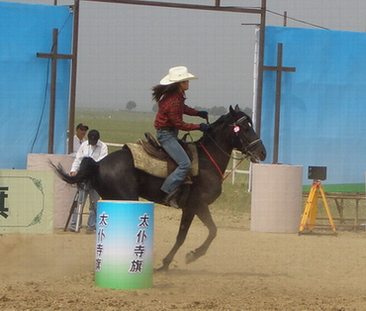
[
  {"x": 116, "y": 178},
  {"x": 170, "y": 96}
]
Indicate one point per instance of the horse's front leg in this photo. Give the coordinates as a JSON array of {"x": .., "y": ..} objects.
[
  {"x": 185, "y": 223},
  {"x": 205, "y": 216}
]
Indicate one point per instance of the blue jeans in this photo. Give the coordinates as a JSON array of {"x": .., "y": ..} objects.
[
  {"x": 93, "y": 198},
  {"x": 169, "y": 141}
]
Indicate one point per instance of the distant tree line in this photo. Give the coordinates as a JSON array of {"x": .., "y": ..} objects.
[
  {"x": 214, "y": 111},
  {"x": 219, "y": 111}
]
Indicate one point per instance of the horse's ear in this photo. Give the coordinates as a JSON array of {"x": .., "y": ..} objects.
[
  {"x": 232, "y": 112},
  {"x": 237, "y": 109}
]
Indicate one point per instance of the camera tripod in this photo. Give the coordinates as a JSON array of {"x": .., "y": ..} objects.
[
  {"x": 78, "y": 202},
  {"x": 311, "y": 208}
]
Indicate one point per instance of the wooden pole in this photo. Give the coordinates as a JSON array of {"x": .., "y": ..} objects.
[
  {"x": 285, "y": 19},
  {"x": 51, "y": 130}
]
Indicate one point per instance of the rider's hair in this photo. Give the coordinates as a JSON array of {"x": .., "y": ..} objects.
[{"x": 159, "y": 90}]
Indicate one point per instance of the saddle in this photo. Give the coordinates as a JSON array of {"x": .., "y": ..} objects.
[
  {"x": 153, "y": 148},
  {"x": 150, "y": 157}
]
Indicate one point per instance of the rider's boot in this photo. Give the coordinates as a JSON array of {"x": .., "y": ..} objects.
[
  {"x": 171, "y": 198},
  {"x": 178, "y": 197}
]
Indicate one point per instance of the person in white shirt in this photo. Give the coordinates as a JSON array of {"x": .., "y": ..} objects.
[
  {"x": 79, "y": 137},
  {"x": 96, "y": 149}
]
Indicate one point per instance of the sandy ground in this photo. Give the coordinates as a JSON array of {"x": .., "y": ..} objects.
[{"x": 242, "y": 270}]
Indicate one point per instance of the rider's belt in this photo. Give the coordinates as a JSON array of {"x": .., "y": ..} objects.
[{"x": 167, "y": 128}]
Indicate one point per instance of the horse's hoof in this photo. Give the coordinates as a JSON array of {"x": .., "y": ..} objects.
[
  {"x": 190, "y": 257},
  {"x": 161, "y": 269}
]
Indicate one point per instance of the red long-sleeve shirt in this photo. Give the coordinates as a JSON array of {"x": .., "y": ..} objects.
[{"x": 170, "y": 113}]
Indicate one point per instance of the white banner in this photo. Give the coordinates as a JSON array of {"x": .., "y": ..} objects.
[{"x": 26, "y": 201}]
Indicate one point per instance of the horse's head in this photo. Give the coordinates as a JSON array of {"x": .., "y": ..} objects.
[{"x": 244, "y": 138}]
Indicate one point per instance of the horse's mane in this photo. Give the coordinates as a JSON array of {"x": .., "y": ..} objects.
[
  {"x": 218, "y": 125},
  {"x": 213, "y": 128}
]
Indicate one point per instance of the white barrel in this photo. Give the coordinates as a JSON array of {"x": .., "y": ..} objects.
[{"x": 276, "y": 198}]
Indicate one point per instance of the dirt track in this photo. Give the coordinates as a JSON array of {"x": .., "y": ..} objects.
[{"x": 242, "y": 270}]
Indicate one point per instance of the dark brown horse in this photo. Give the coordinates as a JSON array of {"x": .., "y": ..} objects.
[{"x": 116, "y": 178}]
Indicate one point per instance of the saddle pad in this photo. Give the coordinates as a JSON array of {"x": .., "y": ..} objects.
[{"x": 157, "y": 167}]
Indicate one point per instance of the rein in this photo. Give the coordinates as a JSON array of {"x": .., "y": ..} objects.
[
  {"x": 250, "y": 144},
  {"x": 216, "y": 165},
  {"x": 223, "y": 151}
]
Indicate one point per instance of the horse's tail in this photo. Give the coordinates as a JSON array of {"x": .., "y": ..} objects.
[{"x": 88, "y": 168}]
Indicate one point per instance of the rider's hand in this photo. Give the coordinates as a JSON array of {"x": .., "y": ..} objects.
[
  {"x": 203, "y": 114},
  {"x": 203, "y": 127},
  {"x": 72, "y": 173}
]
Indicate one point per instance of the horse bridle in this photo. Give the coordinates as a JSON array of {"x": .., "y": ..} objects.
[
  {"x": 246, "y": 150},
  {"x": 250, "y": 145},
  {"x": 247, "y": 153}
]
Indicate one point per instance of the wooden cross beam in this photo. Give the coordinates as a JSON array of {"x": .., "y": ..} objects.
[
  {"x": 279, "y": 68},
  {"x": 54, "y": 56}
]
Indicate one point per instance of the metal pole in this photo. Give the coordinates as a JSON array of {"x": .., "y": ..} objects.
[
  {"x": 260, "y": 69},
  {"x": 73, "y": 75},
  {"x": 185, "y": 6}
]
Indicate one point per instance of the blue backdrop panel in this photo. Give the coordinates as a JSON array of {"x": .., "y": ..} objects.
[
  {"x": 25, "y": 80},
  {"x": 323, "y": 103}
]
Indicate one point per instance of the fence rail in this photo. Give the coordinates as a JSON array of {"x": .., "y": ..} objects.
[{"x": 234, "y": 170}]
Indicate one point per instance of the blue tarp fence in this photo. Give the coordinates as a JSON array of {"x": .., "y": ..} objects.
[
  {"x": 25, "y": 80},
  {"x": 323, "y": 103}
]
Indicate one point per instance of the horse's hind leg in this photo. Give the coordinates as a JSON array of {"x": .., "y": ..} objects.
[
  {"x": 185, "y": 223},
  {"x": 205, "y": 216}
]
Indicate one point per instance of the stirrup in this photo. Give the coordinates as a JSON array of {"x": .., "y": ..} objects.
[{"x": 187, "y": 181}]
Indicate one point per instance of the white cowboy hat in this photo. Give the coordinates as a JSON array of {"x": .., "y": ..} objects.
[{"x": 177, "y": 74}]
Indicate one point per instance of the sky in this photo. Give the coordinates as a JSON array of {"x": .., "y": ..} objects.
[{"x": 124, "y": 50}]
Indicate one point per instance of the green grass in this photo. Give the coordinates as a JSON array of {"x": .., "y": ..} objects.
[
  {"x": 116, "y": 126},
  {"x": 235, "y": 199},
  {"x": 123, "y": 126}
]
